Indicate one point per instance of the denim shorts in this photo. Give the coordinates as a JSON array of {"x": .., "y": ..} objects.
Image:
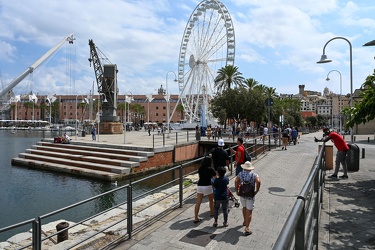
[{"x": 247, "y": 202}]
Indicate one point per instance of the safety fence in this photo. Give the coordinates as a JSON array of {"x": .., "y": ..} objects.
[
  {"x": 302, "y": 226},
  {"x": 173, "y": 138}
]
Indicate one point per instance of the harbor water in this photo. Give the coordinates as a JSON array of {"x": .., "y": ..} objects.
[{"x": 28, "y": 193}]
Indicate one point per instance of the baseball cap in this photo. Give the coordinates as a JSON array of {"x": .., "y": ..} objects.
[{"x": 220, "y": 142}]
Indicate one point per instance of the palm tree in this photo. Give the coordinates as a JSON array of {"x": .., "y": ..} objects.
[
  {"x": 251, "y": 83},
  {"x": 180, "y": 109},
  {"x": 261, "y": 87},
  {"x": 228, "y": 75},
  {"x": 121, "y": 106},
  {"x": 270, "y": 92}
]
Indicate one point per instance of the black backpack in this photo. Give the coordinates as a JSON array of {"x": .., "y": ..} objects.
[
  {"x": 247, "y": 155},
  {"x": 247, "y": 189},
  {"x": 285, "y": 132}
]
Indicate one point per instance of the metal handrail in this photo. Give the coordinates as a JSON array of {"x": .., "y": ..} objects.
[{"x": 302, "y": 224}]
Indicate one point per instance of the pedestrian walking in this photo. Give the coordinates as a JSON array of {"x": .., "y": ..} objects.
[
  {"x": 221, "y": 198},
  {"x": 219, "y": 155},
  {"x": 294, "y": 135},
  {"x": 247, "y": 202},
  {"x": 239, "y": 155},
  {"x": 206, "y": 172},
  {"x": 93, "y": 133},
  {"x": 342, "y": 149},
  {"x": 285, "y": 137}
]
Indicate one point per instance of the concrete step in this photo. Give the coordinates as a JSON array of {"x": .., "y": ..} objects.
[
  {"x": 63, "y": 168},
  {"x": 99, "y": 148},
  {"x": 77, "y": 163},
  {"x": 79, "y": 157},
  {"x": 88, "y": 152}
]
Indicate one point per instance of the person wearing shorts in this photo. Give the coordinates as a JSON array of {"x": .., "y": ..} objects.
[
  {"x": 206, "y": 172},
  {"x": 247, "y": 202}
]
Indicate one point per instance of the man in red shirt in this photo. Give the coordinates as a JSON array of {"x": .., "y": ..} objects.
[
  {"x": 342, "y": 148},
  {"x": 240, "y": 155}
]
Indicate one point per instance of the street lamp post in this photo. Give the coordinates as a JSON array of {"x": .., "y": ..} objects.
[
  {"x": 340, "y": 105},
  {"x": 84, "y": 100},
  {"x": 324, "y": 59},
  {"x": 99, "y": 99},
  {"x": 149, "y": 99},
  {"x": 126, "y": 117},
  {"x": 168, "y": 99}
]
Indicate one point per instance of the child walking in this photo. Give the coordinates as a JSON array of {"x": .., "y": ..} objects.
[{"x": 220, "y": 186}]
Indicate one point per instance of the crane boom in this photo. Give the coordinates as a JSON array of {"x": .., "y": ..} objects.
[
  {"x": 98, "y": 69},
  {"x": 35, "y": 65}
]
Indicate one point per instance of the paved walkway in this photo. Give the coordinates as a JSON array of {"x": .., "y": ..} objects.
[
  {"x": 348, "y": 215},
  {"x": 347, "y": 221}
]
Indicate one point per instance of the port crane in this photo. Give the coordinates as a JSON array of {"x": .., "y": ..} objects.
[
  {"x": 69, "y": 38},
  {"x": 106, "y": 79}
]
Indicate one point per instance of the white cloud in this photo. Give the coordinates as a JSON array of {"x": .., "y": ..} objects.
[{"x": 277, "y": 41}]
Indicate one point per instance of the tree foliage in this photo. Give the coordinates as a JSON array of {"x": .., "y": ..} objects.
[
  {"x": 240, "y": 103},
  {"x": 364, "y": 110},
  {"x": 228, "y": 76}
]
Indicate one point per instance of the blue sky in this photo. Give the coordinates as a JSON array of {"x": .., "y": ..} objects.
[{"x": 277, "y": 42}]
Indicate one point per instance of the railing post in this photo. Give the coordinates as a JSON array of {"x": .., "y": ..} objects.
[
  {"x": 187, "y": 135},
  {"x": 153, "y": 140},
  {"x": 316, "y": 209},
  {"x": 130, "y": 210},
  {"x": 181, "y": 188},
  {"x": 176, "y": 138},
  {"x": 255, "y": 148},
  {"x": 36, "y": 235},
  {"x": 163, "y": 139},
  {"x": 300, "y": 229},
  {"x": 269, "y": 142}
]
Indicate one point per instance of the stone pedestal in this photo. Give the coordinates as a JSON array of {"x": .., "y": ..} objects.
[{"x": 111, "y": 128}]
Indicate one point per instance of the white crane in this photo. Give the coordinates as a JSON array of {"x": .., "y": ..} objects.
[{"x": 30, "y": 69}]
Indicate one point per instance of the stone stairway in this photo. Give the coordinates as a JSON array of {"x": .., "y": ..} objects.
[{"x": 99, "y": 161}]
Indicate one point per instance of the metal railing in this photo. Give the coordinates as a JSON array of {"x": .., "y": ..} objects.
[
  {"x": 127, "y": 196},
  {"x": 302, "y": 225},
  {"x": 173, "y": 138}
]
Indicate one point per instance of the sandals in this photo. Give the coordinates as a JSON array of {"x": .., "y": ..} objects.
[
  {"x": 247, "y": 231},
  {"x": 197, "y": 221},
  {"x": 225, "y": 224},
  {"x": 215, "y": 224}
]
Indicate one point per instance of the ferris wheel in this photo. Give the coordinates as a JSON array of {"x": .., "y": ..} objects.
[{"x": 208, "y": 44}]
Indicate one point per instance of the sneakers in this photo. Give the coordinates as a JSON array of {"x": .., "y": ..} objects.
[
  {"x": 335, "y": 176},
  {"x": 332, "y": 176}
]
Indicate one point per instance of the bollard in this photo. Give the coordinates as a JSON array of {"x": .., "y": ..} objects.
[
  {"x": 61, "y": 236},
  {"x": 363, "y": 153},
  {"x": 368, "y": 139},
  {"x": 354, "y": 138}
]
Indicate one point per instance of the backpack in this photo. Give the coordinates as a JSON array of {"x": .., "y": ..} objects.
[
  {"x": 286, "y": 132},
  {"x": 247, "y": 156},
  {"x": 247, "y": 189}
]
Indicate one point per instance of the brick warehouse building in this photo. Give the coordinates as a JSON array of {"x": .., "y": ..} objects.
[{"x": 64, "y": 108}]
